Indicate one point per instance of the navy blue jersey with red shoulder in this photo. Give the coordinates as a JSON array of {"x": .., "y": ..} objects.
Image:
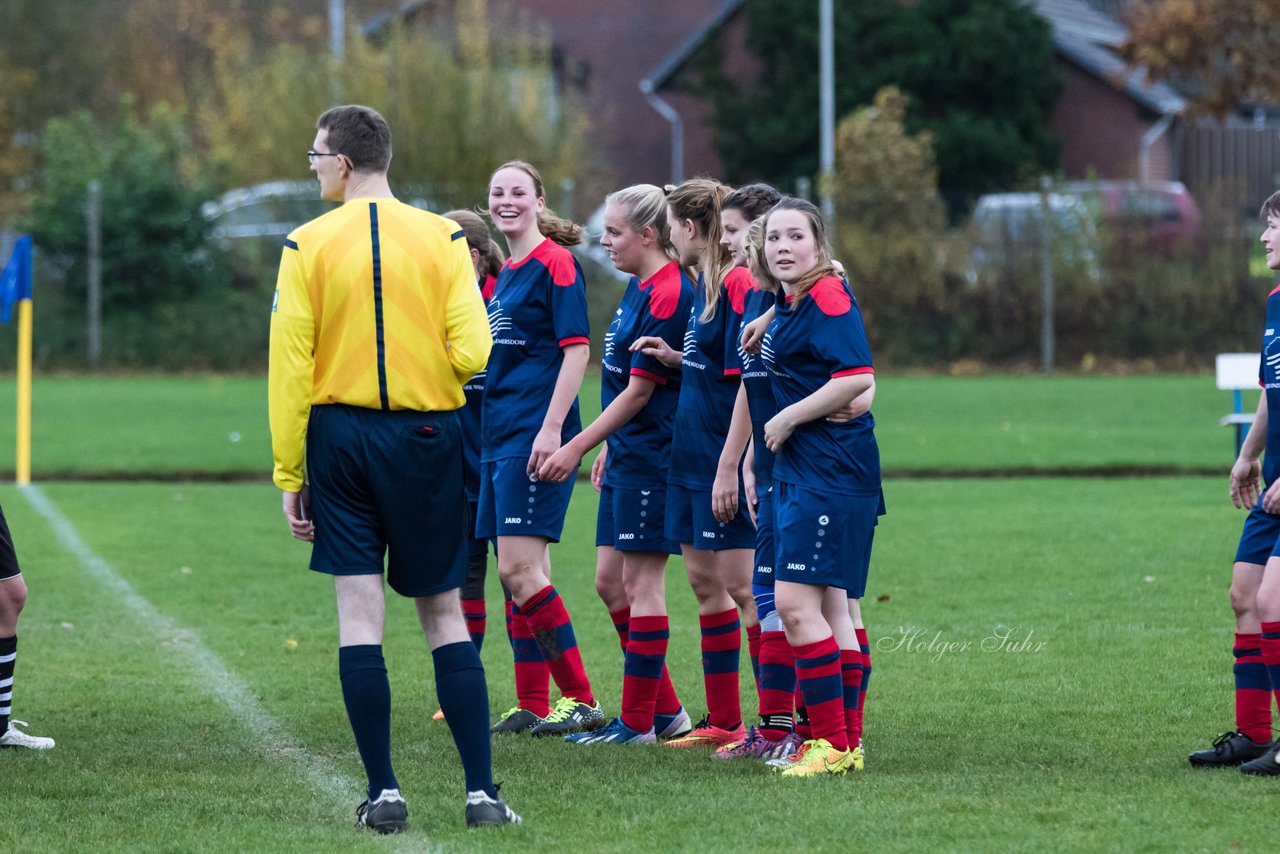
[
  {"x": 755, "y": 378},
  {"x": 539, "y": 306},
  {"x": 640, "y": 450},
  {"x": 810, "y": 342},
  {"x": 469, "y": 417},
  {"x": 1269, "y": 379},
  {"x": 708, "y": 384}
]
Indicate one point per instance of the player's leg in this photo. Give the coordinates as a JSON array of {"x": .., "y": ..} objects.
[
  {"x": 1268, "y": 608},
  {"x": 460, "y": 690},
  {"x": 864, "y": 664},
  {"x": 525, "y": 569},
  {"x": 13, "y": 598}
]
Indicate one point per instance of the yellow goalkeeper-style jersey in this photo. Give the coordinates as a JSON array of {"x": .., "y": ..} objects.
[{"x": 376, "y": 306}]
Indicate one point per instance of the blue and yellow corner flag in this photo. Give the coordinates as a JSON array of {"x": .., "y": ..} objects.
[{"x": 15, "y": 281}]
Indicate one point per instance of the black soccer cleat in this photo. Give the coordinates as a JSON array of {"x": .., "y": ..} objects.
[
  {"x": 515, "y": 720},
  {"x": 1229, "y": 750},
  {"x": 484, "y": 811},
  {"x": 1266, "y": 765},
  {"x": 570, "y": 716},
  {"x": 387, "y": 814}
]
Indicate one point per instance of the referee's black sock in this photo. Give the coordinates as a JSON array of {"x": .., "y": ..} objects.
[
  {"x": 8, "y": 657},
  {"x": 367, "y": 694},
  {"x": 464, "y": 697}
]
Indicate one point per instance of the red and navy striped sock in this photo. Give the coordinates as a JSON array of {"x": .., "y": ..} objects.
[
  {"x": 777, "y": 685},
  {"x": 553, "y": 630},
  {"x": 721, "y": 645},
  {"x": 367, "y": 695},
  {"x": 642, "y": 675},
  {"x": 803, "y": 728},
  {"x": 667, "y": 703},
  {"x": 1253, "y": 687},
  {"x": 864, "y": 647},
  {"x": 851, "y": 681},
  {"x": 473, "y": 611},
  {"x": 753, "y": 650},
  {"x": 818, "y": 674},
  {"x": 532, "y": 675}
]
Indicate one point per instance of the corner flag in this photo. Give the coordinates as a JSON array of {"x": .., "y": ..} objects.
[
  {"x": 15, "y": 287},
  {"x": 15, "y": 281}
]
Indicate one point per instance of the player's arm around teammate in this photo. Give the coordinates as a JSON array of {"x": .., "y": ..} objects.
[{"x": 538, "y": 316}]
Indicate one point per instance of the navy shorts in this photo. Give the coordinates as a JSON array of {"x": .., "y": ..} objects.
[
  {"x": 690, "y": 520},
  {"x": 1260, "y": 539},
  {"x": 513, "y": 504},
  {"x": 766, "y": 545},
  {"x": 388, "y": 484},
  {"x": 8, "y": 557},
  {"x": 633, "y": 520},
  {"x": 823, "y": 537}
]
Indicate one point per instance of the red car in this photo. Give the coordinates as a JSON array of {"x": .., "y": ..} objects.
[{"x": 1157, "y": 215}]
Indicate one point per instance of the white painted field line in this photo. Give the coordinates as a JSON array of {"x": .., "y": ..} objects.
[{"x": 222, "y": 682}]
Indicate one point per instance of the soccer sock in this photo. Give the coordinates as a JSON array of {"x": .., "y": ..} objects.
[
  {"x": 721, "y": 643},
  {"x": 777, "y": 685},
  {"x": 473, "y": 611},
  {"x": 8, "y": 658},
  {"x": 818, "y": 673},
  {"x": 461, "y": 690},
  {"x": 803, "y": 728},
  {"x": 667, "y": 703},
  {"x": 553, "y": 630},
  {"x": 851, "y": 681},
  {"x": 1253, "y": 688},
  {"x": 642, "y": 674},
  {"x": 367, "y": 694},
  {"x": 532, "y": 675},
  {"x": 864, "y": 647},
  {"x": 753, "y": 650}
]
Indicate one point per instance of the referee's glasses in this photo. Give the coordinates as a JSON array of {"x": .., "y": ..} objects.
[{"x": 312, "y": 154}]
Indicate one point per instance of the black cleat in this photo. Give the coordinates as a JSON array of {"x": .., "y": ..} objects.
[
  {"x": 1229, "y": 749},
  {"x": 385, "y": 815},
  {"x": 570, "y": 716},
  {"x": 515, "y": 720},
  {"x": 484, "y": 811},
  {"x": 1266, "y": 765}
]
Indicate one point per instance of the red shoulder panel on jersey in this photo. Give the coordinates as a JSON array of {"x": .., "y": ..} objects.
[
  {"x": 830, "y": 295},
  {"x": 737, "y": 283},
  {"x": 487, "y": 289},
  {"x": 557, "y": 260},
  {"x": 1274, "y": 290},
  {"x": 664, "y": 297}
]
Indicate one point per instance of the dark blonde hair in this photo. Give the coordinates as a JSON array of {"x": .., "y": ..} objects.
[
  {"x": 699, "y": 200},
  {"x": 646, "y": 207},
  {"x": 479, "y": 239},
  {"x": 753, "y": 248},
  {"x": 562, "y": 231},
  {"x": 823, "y": 267}
]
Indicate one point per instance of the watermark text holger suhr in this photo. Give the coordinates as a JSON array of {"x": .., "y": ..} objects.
[{"x": 913, "y": 639}]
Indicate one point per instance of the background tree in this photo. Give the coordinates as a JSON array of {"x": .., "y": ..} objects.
[
  {"x": 979, "y": 74},
  {"x": 1221, "y": 51}
]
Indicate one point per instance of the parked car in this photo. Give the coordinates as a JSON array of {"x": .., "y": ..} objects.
[
  {"x": 1159, "y": 216},
  {"x": 1006, "y": 233}
]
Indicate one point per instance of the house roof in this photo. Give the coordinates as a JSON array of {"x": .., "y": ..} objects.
[{"x": 1083, "y": 35}]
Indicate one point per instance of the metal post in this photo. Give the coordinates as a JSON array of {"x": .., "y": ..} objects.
[
  {"x": 93, "y": 216},
  {"x": 1046, "y": 277},
  {"x": 827, "y": 105},
  {"x": 337, "y": 29},
  {"x": 669, "y": 113}
]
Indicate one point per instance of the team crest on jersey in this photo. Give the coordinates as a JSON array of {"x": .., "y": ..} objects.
[
  {"x": 609, "y": 336},
  {"x": 767, "y": 354},
  {"x": 1271, "y": 354},
  {"x": 690, "y": 339}
]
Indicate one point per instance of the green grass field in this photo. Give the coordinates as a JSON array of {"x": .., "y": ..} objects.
[
  {"x": 135, "y": 426},
  {"x": 1070, "y": 735}
]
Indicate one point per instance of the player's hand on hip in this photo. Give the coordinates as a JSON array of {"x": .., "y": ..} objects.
[
  {"x": 297, "y": 513},
  {"x": 1244, "y": 483}
]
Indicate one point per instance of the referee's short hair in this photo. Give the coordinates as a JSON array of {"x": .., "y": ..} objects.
[{"x": 360, "y": 133}]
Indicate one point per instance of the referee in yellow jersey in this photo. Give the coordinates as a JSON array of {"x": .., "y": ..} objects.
[{"x": 376, "y": 324}]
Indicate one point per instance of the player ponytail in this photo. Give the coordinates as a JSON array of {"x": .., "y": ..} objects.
[
  {"x": 550, "y": 224},
  {"x": 698, "y": 200},
  {"x": 479, "y": 239}
]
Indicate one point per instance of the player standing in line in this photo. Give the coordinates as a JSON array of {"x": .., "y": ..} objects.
[
  {"x": 486, "y": 258},
  {"x": 638, "y": 395},
  {"x": 826, "y": 474},
  {"x": 1255, "y": 577},
  {"x": 538, "y": 316},
  {"x": 376, "y": 324},
  {"x": 718, "y": 554},
  {"x": 13, "y": 597}
]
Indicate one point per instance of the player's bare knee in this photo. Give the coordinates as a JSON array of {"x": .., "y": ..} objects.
[
  {"x": 13, "y": 598},
  {"x": 1244, "y": 600}
]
